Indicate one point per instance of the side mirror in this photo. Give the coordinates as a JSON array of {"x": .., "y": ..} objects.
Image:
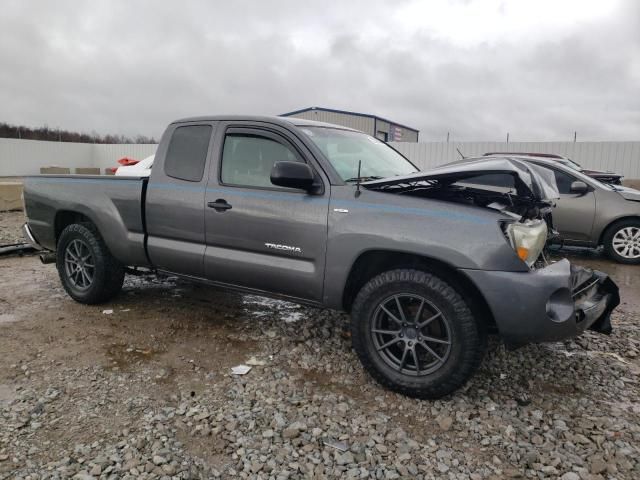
[
  {"x": 579, "y": 187},
  {"x": 292, "y": 175}
]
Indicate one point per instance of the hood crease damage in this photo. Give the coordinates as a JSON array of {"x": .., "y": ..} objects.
[{"x": 505, "y": 184}]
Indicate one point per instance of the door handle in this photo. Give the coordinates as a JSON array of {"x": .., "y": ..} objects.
[{"x": 220, "y": 205}]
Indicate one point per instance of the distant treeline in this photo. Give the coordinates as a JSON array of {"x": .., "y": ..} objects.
[{"x": 55, "y": 135}]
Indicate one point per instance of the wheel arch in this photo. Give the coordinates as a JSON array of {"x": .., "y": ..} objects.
[
  {"x": 64, "y": 218},
  {"x": 373, "y": 262},
  {"x": 613, "y": 223}
]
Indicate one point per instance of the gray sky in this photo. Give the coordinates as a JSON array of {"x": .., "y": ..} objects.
[{"x": 538, "y": 69}]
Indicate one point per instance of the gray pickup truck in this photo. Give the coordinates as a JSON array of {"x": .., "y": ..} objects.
[{"x": 426, "y": 263}]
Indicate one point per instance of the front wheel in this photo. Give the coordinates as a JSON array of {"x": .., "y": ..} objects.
[
  {"x": 622, "y": 241},
  {"x": 87, "y": 270},
  {"x": 415, "y": 334}
]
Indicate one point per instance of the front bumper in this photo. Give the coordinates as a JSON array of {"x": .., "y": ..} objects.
[{"x": 550, "y": 304}]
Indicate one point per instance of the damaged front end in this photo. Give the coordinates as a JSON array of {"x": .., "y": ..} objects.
[
  {"x": 506, "y": 184},
  {"x": 549, "y": 302},
  {"x": 523, "y": 192},
  {"x": 595, "y": 296}
]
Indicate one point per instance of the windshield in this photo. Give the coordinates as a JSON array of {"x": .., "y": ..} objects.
[
  {"x": 571, "y": 164},
  {"x": 345, "y": 148}
]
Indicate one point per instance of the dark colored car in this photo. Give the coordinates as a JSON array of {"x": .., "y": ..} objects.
[
  {"x": 605, "y": 177},
  {"x": 324, "y": 215}
]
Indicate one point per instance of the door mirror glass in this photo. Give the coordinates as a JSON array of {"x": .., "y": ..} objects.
[
  {"x": 579, "y": 187},
  {"x": 292, "y": 175}
]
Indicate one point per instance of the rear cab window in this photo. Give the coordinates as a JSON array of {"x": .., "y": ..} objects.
[{"x": 187, "y": 152}]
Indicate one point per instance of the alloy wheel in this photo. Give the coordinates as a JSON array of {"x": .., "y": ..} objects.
[
  {"x": 78, "y": 264},
  {"x": 411, "y": 335},
  {"x": 626, "y": 242}
]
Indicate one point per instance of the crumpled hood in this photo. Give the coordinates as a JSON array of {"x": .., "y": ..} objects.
[
  {"x": 531, "y": 181},
  {"x": 628, "y": 193},
  {"x": 606, "y": 173}
]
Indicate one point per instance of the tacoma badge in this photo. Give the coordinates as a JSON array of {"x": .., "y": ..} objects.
[{"x": 286, "y": 248}]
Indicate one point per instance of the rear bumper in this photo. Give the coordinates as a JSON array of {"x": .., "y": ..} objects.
[
  {"x": 28, "y": 235},
  {"x": 551, "y": 304}
]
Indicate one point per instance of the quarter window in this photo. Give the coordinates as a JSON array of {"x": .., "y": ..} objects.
[
  {"x": 187, "y": 152},
  {"x": 247, "y": 160}
]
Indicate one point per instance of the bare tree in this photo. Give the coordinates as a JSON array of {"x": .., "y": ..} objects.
[{"x": 56, "y": 135}]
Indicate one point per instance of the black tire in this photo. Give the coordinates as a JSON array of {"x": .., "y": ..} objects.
[
  {"x": 468, "y": 339},
  {"x": 106, "y": 274},
  {"x": 615, "y": 233}
]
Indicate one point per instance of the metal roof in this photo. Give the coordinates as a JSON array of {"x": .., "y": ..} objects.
[{"x": 347, "y": 112}]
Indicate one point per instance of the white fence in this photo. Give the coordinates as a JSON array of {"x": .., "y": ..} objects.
[
  {"x": 25, "y": 157},
  {"x": 620, "y": 157}
]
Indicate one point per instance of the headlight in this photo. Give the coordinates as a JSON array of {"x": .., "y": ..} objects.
[{"x": 527, "y": 239}]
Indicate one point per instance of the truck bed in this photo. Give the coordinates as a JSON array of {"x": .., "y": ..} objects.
[{"x": 114, "y": 204}]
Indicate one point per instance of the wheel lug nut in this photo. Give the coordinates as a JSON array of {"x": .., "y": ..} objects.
[{"x": 401, "y": 335}]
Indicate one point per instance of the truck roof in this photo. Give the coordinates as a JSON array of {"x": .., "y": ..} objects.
[{"x": 284, "y": 121}]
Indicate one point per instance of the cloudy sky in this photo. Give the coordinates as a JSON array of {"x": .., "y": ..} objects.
[{"x": 539, "y": 69}]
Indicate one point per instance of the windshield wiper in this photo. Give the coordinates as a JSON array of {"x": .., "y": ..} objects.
[{"x": 363, "y": 179}]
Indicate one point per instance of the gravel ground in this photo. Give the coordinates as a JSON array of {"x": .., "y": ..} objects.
[
  {"x": 10, "y": 223},
  {"x": 142, "y": 387}
]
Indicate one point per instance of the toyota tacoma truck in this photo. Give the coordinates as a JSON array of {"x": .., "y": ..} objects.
[{"x": 426, "y": 263}]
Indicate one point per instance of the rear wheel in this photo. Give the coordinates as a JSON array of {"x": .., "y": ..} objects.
[
  {"x": 622, "y": 241},
  {"x": 87, "y": 270},
  {"x": 415, "y": 334}
]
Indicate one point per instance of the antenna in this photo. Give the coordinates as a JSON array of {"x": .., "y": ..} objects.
[
  {"x": 458, "y": 150},
  {"x": 358, "y": 180}
]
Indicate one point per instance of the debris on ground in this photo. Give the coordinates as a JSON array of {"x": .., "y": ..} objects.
[
  {"x": 240, "y": 369},
  {"x": 335, "y": 444},
  {"x": 254, "y": 362},
  {"x": 16, "y": 248}
]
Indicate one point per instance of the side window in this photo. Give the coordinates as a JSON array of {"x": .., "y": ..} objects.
[
  {"x": 247, "y": 159},
  {"x": 187, "y": 152},
  {"x": 563, "y": 181}
]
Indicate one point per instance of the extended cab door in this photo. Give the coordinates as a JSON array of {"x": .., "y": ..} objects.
[
  {"x": 259, "y": 235},
  {"x": 174, "y": 208}
]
